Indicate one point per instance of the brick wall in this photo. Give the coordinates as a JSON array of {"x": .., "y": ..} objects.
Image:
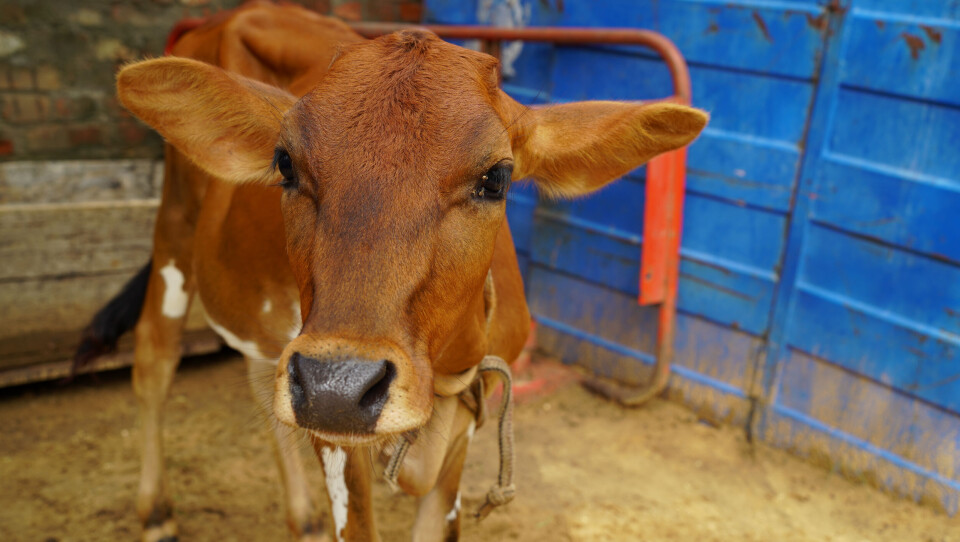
[{"x": 58, "y": 59}]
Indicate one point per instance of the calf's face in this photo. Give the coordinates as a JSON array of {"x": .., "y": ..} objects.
[{"x": 393, "y": 171}]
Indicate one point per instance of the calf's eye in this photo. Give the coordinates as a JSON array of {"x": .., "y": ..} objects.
[
  {"x": 285, "y": 166},
  {"x": 494, "y": 183}
]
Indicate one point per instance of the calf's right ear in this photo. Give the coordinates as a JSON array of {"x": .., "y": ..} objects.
[
  {"x": 227, "y": 124},
  {"x": 575, "y": 148}
]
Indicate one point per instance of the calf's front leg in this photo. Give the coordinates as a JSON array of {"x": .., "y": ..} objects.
[
  {"x": 349, "y": 474},
  {"x": 439, "y": 511},
  {"x": 302, "y": 517},
  {"x": 432, "y": 468},
  {"x": 156, "y": 356}
]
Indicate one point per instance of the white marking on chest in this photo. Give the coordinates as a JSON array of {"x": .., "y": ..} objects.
[
  {"x": 248, "y": 348},
  {"x": 267, "y": 306},
  {"x": 174, "y": 297},
  {"x": 297, "y": 321},
  {"x": 471, "y": 429},
  {"x": 455, "y": 511},
  {"x": 334, "y": 463}
]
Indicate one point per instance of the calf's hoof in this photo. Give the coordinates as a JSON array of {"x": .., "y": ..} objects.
[
  {"x": 165, "y": 531},
  {"x": 308, "y": 531}
]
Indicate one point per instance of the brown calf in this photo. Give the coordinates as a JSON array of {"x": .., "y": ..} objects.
[{"x": 338, "y": 204}]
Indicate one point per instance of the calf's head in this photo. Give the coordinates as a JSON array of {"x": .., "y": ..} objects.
[{"x": 393, "y": 172}]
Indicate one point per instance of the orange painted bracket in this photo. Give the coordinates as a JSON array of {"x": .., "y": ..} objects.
[{"x": 662, "y": 223}]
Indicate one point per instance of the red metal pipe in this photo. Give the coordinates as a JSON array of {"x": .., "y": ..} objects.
[
  {"x": 182, "y": 27},
  {"x": 597, "y": 36},
  {"x": 659, "y": 272}
]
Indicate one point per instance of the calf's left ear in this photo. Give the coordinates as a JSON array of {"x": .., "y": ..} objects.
[
  {"x": 576, "y": 148},
  {"x": 226, "y": 124}
]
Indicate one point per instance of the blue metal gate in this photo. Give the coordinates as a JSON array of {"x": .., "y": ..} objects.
[{"x": 820, "y": 276}]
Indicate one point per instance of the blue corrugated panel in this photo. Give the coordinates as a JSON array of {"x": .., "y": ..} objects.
[
  {"x": 820, "y": 272},
  {"x": 864, "y": 352}
]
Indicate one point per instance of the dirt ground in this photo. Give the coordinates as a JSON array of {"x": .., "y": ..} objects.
[{"x": 586, "y": 470}]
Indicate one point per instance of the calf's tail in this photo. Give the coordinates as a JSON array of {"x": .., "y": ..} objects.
[{"x": 116, "y": 318}]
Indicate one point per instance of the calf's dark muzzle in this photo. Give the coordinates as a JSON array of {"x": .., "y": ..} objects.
[{"x": 343, "y": 396}]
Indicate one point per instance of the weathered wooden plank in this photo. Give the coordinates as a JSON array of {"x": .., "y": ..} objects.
[
  {"x": 195, "y": 342},
  {"x": 52, "y": 181},
  {"x": 47, "y": 346},
  {"x": 56, "y": 240},
  {"x": 52, "y": 305}
]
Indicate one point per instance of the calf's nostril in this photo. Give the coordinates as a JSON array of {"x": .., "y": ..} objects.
[
  {"x": 376, "y": 394},
  {"x": 339, "y": 396},
  {"x": 293, "y": 371}
]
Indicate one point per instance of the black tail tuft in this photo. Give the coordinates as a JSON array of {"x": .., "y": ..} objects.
[{"x": 112, "y": 321}]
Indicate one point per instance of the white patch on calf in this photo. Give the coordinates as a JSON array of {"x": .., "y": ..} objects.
[
  {"x": 471, "y": 429},
  {"x": 455, "y": 511},
  {"x": 297, "y": 321},
  {"x": 249, "y": 349},
  {"x": 334, "y": 464},
  {"x": 267, "y": 305},
  {"x": 174, "y": 297}
]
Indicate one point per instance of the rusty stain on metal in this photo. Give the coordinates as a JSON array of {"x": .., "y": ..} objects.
[
  {"x": 915, "y": 43},
  {"x": 836, "y": 7},
  {"x": 916, "y": 352},
  {"x": 712, "y": 29},
  {"x": 933, "y": 34},
  {"x": 757, "y": 18},
  {"x": 880, "y": 24},
  {"x": 819, "y": 22},
  {"x": 941, "y": 257},
  {"x": 546, "y": 4}
]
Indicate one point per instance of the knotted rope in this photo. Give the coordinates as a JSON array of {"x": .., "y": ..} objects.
[
  {"x": 392, "y": 471},
  {"x": 504, "y": 490},
  {"x": 474, "y": 398}
]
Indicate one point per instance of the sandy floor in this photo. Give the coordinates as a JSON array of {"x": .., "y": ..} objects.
[{"x": 587, "y": 470}]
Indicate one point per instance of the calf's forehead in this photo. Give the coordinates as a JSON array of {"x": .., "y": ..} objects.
[{"x": 407, "y": 98}]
